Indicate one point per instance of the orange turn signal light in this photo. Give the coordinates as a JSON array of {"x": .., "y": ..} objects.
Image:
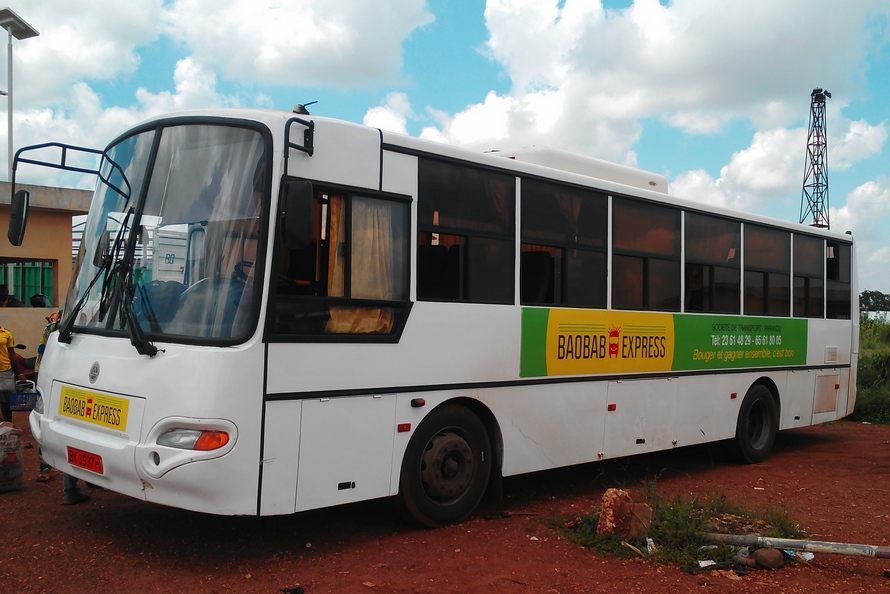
[{"x": 211, "y": 440}]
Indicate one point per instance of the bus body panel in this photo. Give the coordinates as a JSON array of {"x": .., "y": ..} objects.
[
  {"x": 796, "y": 405},
  {"x": 549, "y": 425},
  {"x": 641, "y": 415},
  {"x": 829, "y": 342},
  {"x": 346, "y": 450},
  {"x": 59, "y": 433},
  {"x": 327, "y": 163},
  {"x": 436, "y": 335},
  {"x": 281, "y": 454},
  {"x": 195, "y": 384},
  {"x": 399, "y": 174}
]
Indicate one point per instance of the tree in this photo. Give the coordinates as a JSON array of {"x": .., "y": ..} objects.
[{"x": 874, "y": 301}]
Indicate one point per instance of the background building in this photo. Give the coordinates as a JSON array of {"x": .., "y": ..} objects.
[{"x": 42, "y": 264}]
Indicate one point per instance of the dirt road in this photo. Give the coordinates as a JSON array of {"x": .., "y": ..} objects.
[{"x": 834, "y": 480}]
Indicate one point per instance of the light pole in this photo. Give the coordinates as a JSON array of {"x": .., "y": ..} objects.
[{"x": 15, "y": 27}]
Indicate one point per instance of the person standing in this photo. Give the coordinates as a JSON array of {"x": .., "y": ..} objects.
[
  {"x": 52, "y": 321},
  {"x": 10, "y": 372},
  {"x": 71, "y": 493},
  {"x": 7, "y": 300}
]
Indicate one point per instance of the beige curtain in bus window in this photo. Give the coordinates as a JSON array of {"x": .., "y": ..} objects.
[
  {"x": 371, "y": 267},
  {"x": 336, "y": 254}
]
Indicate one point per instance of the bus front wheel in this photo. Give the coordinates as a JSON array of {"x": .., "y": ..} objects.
[
  {"x": 446, "y": 468},
  {"x": 757, "y": 425}
]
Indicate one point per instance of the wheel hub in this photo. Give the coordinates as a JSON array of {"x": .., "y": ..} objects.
[{"x": 447, "y": 466}]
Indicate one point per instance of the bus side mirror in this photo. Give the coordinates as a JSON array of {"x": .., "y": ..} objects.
[
  {"x": 299, "y": 210},
  {"x": 18, "y": 217}
]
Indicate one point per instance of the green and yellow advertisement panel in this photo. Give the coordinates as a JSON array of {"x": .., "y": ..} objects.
[{"x": 583, "y": 342}]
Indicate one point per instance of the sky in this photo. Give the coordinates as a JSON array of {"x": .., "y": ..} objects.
[{"x": 713, "y": 94}]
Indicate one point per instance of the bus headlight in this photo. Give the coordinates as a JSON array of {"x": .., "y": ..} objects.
[
  {"x": 179, "y": 441},
  {"x": 193, "y": 439}
]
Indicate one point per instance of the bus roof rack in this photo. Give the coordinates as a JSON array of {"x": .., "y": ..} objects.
[{"x": 588, "y": 166}]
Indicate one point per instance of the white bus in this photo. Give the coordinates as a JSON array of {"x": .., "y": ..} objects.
[{"x": 364, "y": 315}]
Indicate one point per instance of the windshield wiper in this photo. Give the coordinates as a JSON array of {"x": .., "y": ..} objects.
[
  {"x": 117, "y": 289},
  {"x": 137, "y": 335},
  {"x": 67, "y": 326},
  {"x": 125, "y": 291},
  {"x": 108, "y": 264}
]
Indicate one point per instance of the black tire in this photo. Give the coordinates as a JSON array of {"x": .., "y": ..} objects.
[
  {"x": 446, "y": 468},
  {"x": 757, "y": 425}
]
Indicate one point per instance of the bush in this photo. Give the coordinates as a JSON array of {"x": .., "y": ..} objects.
[
  {"x": 873, "y": 379},
  {"x": 874, "y": 333},
  {"x": 680, "y": 528}
]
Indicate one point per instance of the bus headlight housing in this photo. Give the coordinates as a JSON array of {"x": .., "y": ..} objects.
[
  {"x": 179, "y": 441},
  {"x": 194, "y": 439}
]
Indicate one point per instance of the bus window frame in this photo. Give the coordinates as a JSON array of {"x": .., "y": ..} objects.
[
  {"x": 401, "y": 308},
  {"x": 472, "y": 238},
  {"x": 638, "y": 257}
]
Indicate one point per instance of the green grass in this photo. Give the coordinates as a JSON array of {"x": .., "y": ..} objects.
[
  {"x": 680, "y": 526},
  {"x": 873, "y": 372}
]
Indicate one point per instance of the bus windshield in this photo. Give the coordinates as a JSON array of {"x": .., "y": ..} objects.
[{"x": 176, "y": 257}]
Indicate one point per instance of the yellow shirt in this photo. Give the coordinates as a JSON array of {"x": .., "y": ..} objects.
[{"x": 6, "y": 343}]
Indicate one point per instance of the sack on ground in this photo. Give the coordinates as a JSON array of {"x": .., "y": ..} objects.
[{"x": 12, "y": 456}]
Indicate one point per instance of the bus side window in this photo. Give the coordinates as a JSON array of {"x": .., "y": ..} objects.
[
  {"x": 471, "y": 212},
  {"x": 713, "y": 274},
  {"x": 809, "y": 275},
  {"x": 646, "y": 256},
  {"x": 352, "y": 277},
  {"x": 767, "y": 271},
  {"x": 564, "y": 232},
  {"x": 839, "y": 285}
]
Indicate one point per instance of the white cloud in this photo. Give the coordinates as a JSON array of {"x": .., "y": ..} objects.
[
  {"x": 347, "y": 44},
  {"x": 83, "y": 121},
  {"x": 533, "y": 40},
  {"x": 872, "y": 268},
  {"x": 771, "y": 168},
  {"x": 859, "y": 142},
  {"x": 867, "y": 214},
  {"x": 698, "y": 185},
  {"x": 583, "y": 78},
  {"x": 694, "y": 65},
  {"x": 866, "y": 211},
  {"x": 344, "y": 44},
  {"x": 195, "y": 87},
  {"x": 78, "y": 40},
  {"x": 393, "y": 116}
]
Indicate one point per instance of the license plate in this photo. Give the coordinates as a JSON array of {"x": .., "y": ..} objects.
[{"x": 85, "y": 460}]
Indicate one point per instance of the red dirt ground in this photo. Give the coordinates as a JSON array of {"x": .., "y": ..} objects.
[{"x": 834, "y": 480}]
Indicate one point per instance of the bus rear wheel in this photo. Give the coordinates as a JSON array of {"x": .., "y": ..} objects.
[
  {"x": 446, "y": 468},
  {"x": 757, "y": 425}
]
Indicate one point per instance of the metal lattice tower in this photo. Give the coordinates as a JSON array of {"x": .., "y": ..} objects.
[{"x": 814, "y": 199}]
